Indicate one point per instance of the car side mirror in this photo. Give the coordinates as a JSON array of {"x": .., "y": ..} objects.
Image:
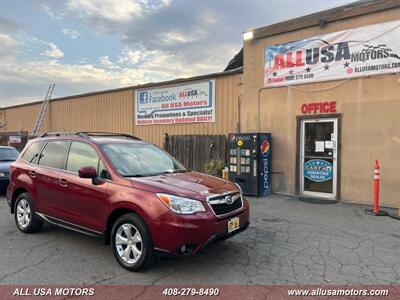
[{"x": 87, "y": 172}]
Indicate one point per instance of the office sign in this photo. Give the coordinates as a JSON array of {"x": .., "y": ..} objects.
[
  {"x": 363, "y": 51},
  {"x": 189, "y": 103}
]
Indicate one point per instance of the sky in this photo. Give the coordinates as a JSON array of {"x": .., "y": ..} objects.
[{"x": 88, "y": 45}]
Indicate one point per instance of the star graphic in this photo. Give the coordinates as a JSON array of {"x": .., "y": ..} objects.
[
  {"x": 308, "y": 69},
  {"x": 347, "y": 64},
  {"x": 291, "y": 72},
  {"x": 326, "y": 67},
  {"x": 274, "y": 74}
]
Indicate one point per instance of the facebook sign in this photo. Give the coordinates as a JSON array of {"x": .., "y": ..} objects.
[
  {"x": 185, "y": 103},
  {"x": 143, "y": 97}
]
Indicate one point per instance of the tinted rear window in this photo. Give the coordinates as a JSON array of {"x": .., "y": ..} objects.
[
  {"x": 53, "y": 154},
  {"x": 32, "y": 152}
]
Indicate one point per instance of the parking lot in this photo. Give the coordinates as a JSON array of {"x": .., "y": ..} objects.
[{"x": 288, "y": 241}]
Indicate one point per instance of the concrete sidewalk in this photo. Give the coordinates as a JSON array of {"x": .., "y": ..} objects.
[{"x": 288, "y": 241}]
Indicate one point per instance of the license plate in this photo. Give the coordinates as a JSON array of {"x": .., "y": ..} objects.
[{"x": 233, "y": 224}]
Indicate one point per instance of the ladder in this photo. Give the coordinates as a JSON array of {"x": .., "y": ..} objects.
[
  {"x": 43, "y": 110},
  {"x": 4, "y": 122}
]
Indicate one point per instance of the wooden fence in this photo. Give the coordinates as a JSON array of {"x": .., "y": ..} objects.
[{"x": 194, "y": 151}]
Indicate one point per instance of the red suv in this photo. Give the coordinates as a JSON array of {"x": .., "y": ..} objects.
[{"x": 130, "y": 192}]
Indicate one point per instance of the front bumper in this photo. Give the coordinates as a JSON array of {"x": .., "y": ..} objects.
[{"x": 196, "y": 231}]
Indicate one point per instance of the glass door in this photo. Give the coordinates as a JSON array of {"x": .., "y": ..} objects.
[{"x": 318, "y": 158}]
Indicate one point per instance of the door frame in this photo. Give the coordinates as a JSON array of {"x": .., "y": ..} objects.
[{"x": 299, "y": 120}]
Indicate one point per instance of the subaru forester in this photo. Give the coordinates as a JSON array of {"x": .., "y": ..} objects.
[{"x": 131, "y": 193}]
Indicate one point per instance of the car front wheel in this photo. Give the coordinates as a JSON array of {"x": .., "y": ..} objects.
[{"x": 132, "y": 243}]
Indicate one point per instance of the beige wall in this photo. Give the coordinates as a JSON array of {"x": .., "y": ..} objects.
[
  {"x": 113, "y": 112},
  {"x": 369, "y": 108},
  {"x": 110, "y": 112},
  {"x": 22, "y": 118}
]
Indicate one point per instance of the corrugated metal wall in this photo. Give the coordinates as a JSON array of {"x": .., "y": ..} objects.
[
  {"x": 22, "y": 118},
  {"x": 112, "y": 111}
]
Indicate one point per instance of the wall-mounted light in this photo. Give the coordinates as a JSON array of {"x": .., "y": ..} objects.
[{"x": 247, "y": 36}]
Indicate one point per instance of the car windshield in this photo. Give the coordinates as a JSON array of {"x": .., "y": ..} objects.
[
  {"x": 8, "y": 154},
  {"x": 139, "y": 160}
]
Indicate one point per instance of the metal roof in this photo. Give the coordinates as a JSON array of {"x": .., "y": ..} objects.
[{"x": 138, "y": 87}]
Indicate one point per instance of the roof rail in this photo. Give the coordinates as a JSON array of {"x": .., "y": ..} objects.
[
  {"x": 61, "y": 133},
  {"x": 89, "y": 134},
  {"x": 101, "y": 133}
]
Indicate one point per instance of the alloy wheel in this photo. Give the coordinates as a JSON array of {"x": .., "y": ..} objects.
[
  {"x": 23, "y": 213},
  {"x": 128, "y": 243}
]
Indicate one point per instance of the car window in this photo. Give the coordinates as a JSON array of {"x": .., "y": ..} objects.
[
  {"x": 83, "y": 155},
  {"x": 52, "y": 154},
  {"x": 32, "y": 152},
  {"x": 8, "y": 154},
  {"x": 102, "y": 171}
]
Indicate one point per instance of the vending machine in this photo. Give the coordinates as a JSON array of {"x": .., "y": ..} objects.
[{"x": 250, "y": 162}]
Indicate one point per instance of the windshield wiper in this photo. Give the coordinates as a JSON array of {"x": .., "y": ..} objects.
[
  {"x": 9, "y": 159},
  {"x": 156, "y": 174},
  {"x": 176, "y": 171},
  {"x": 143, "y": 175}
]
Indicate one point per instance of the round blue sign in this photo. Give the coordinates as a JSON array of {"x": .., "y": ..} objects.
[{"x": 318, "y": 170}]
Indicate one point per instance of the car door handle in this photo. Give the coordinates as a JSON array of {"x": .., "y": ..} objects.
[
  {"x": 63, "y": 182},
  {"x": 32, "y": 173}
]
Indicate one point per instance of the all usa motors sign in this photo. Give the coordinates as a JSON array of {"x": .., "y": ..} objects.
[
  {"x": 362, "y": 51},
  {"x": 191, "y": 103}
]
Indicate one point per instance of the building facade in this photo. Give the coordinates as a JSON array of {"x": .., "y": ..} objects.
[
  {"x": 327, "y": 130},
  {"x": 114, "y": 111},
  {"x": 327, "y": 133}
]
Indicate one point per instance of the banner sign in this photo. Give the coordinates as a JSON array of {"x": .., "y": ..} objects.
[
  {"x": 318, "y": 170},
  {"x": 362, "y": 51},
  {"x": 190, "y": 103},
  {"x": 14, "y": 139}
]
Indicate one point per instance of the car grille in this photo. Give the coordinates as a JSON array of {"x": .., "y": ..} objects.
[{"x": 221, "y": 207}]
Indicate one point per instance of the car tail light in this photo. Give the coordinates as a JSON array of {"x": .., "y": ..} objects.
[{"x": 12, "y": 168}]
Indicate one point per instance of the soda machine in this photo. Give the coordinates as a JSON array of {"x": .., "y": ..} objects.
[{"x": 250, "y": 162}]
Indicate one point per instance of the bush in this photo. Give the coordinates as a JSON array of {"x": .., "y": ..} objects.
[{"x": 215, "y": 167}]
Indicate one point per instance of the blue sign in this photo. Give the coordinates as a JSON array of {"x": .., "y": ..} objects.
[
  {"x": 143, "y": 97},
  {"x": 318, "y": 170}
]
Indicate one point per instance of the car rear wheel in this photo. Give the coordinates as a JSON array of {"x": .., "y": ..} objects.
[
  {"x": 132, "y": 243},
  {"x": 25, "y": 216}
]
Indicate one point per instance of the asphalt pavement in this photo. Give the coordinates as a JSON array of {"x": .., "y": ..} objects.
[{"x": 288, "y": 242}]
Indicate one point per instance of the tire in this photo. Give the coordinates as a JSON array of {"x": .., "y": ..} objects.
[
  {"x": 129, "y": 258},
  {"x": 24, "y": 215}
]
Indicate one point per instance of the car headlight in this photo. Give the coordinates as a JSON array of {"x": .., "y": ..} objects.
[
  {"x": 240, "y": 189},
  {"x": 3, "y": 175},
  {"x": 181, "y": 205}
]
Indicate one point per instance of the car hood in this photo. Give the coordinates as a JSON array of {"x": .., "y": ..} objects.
[
  {"x": 5, "y": 166},
  {"x": 193, "y": 185}
]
